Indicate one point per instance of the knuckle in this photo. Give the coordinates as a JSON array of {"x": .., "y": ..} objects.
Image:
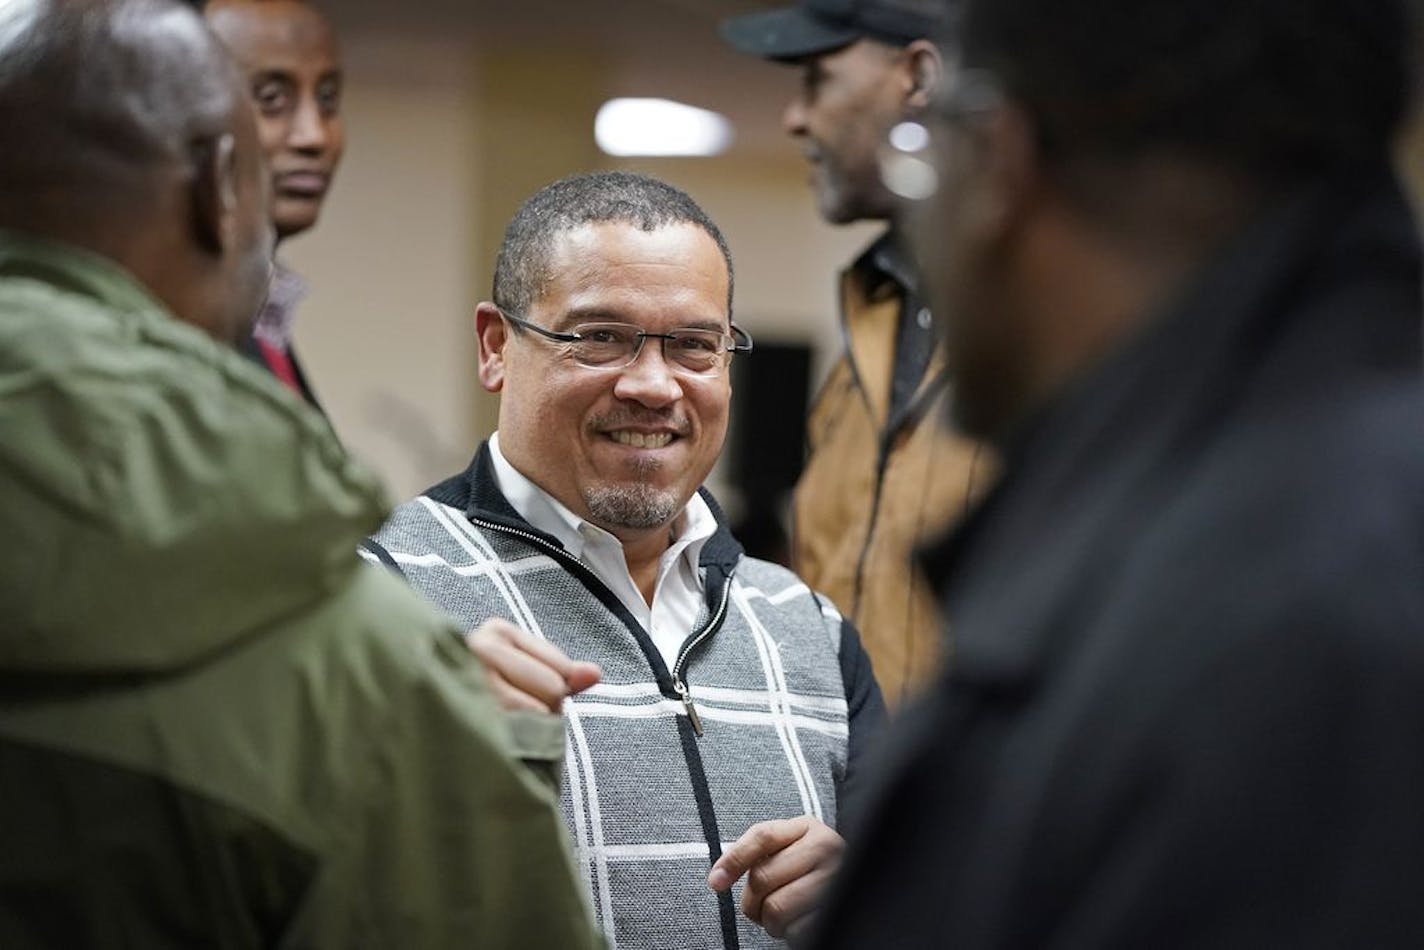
[
  {"x": 491, "y": 633},
  {"x": 733, "y": 864},
  {"x": 508, "y": 698},
  {"x": 774, "y": 911}
]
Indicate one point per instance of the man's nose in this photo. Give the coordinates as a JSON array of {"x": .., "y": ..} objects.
[
  {"x": 793, "y": 117},
  {"x": 309, "y": 130},
  {"x": 649, "y": 379}
]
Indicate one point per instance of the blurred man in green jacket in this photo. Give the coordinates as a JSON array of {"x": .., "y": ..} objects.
[{"x": 217, "y": 727}]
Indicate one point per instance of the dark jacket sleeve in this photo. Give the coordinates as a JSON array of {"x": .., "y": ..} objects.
[{"x": 866, "y": 715}]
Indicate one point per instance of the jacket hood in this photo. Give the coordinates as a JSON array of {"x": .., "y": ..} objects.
[{"x": 164, "y": 499}]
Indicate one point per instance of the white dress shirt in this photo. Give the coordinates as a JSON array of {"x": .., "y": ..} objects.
[{"x": 678, "y": 593}]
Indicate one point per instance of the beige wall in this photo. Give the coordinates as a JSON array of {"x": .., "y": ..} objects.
[
  {"x": 384, "y": 333},
  {"x": 442, "y": 142}
]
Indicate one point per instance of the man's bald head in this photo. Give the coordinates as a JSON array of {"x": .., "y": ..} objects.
[
  {"x": 106, "y": 88},
  {"x": 127, "y": 132}
]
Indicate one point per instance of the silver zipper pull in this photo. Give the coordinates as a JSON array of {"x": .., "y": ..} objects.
[{"x": 681, "y": 689}]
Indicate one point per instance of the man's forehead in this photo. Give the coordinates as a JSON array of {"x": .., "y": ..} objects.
[
  {"x": 598, "y": 243},
  {"x": 272, "y": 28},
  {"x": 865, "y": 53},
  {"x": 679, "y": 257}
]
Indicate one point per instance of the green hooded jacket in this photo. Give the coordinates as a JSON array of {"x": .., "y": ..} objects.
[{"x": 218, "y": 727}]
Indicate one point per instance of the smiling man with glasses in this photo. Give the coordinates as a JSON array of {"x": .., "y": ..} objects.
[{"x": 712, "y": 698}]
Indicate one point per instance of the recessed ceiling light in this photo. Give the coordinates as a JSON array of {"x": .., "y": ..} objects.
[{"x": 628, "y": 127}]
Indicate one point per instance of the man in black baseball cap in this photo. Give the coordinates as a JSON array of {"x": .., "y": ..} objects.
[{"x": 867, "y": 66}]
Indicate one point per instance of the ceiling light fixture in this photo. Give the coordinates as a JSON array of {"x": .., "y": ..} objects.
[{"x": 660, "y": 127}]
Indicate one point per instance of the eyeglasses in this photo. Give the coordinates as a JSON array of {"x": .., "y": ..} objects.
[
  {"x": 907, "y": 160},
  {"x": 689, "y": 351}
]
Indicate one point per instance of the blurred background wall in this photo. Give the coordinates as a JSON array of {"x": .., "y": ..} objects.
[{"x": 455, "y": 112}]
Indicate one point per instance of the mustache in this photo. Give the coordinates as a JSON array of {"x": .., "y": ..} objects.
[{"x": 671, "y": 420}]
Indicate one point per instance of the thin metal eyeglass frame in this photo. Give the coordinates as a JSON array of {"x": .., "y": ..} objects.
[{"x": 741, "y": 342}]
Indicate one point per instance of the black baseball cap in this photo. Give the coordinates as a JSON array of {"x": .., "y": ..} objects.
[{"x": 819, "y": 26}]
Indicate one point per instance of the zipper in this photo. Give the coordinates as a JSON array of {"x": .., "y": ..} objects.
[
  {"x": 687, "y": 703},
  {"x": 701, "y": 790},
  {"x": 533, "y": 539},
  {"x": 679, "y": 668}
]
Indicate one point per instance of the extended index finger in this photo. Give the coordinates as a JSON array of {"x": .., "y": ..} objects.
[{"x": 760, "y": 840}]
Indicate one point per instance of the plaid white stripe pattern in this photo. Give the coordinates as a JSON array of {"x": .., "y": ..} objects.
[{"x": 647, "y": 802}]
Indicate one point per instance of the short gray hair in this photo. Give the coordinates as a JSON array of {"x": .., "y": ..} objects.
[
  {"x": 521, "y": 269},
  {"x": 98, "y": 86}
]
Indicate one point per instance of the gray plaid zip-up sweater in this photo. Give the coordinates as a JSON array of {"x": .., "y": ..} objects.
[{"x": 773, "y": 676}]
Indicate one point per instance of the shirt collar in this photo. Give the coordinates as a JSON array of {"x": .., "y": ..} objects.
[
  {"x": 886, "y": 264},
  {"x": 274, "y": 322},
  {"x": 546, "y": 513}
]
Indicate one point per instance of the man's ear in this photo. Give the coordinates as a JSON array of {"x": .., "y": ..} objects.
[
  {"x": 1003, "y": 147},
  {"x": 214, "y": 192},
  {"x": 925, "y": 69},
  {"x": 493, "y": 334}
]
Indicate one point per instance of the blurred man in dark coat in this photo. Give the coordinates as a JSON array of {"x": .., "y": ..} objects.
[{"x": 1182, "y": 288}]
